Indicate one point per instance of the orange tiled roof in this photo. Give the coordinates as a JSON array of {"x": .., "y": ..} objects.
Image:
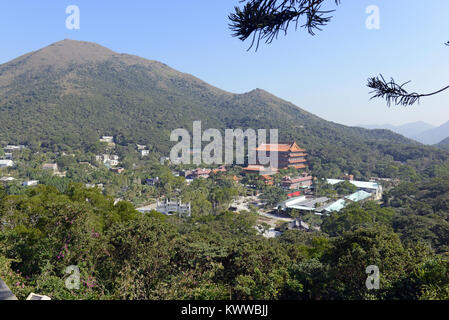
[
  {"x": 297, "y": 160},
  {"x": 258, "y": 168},
  {"x": 280, "y": 147}
]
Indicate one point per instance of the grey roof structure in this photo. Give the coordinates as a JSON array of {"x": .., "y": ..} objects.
[{"x": 5, "y": 293}]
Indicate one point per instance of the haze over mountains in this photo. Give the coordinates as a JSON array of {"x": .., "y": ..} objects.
[
  {"x": 434, "y": 136},
  {"x": 70, "y": 93},
  {"x": 419, "y": 131}
]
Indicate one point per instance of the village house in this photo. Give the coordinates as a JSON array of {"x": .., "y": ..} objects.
[
  {"x": 117, "y": 170},
  {"x": 6, "y": 163},
  {"x": 107, "y": 139},
  {"x": 195, "y": 174},
  {"x": 30, "y": 183},
  {"x": 108, "y": 160},
  {"x": 11, "y": 147},
  {"x": 144, "y": 153},
  {"x": 168, "y": 207}
]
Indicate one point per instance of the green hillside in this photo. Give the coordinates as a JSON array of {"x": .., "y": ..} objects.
[
  {"x": 444, "y": 144},
  {"x": 65, "y": 96}
]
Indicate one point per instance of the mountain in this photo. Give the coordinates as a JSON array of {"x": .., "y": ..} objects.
[
  {"x": 67, "y": 95},
  {"x": 434, "y": 136},
  {"x": 409, "y": 130}
]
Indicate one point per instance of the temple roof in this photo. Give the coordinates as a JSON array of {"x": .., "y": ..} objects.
[{"x": 280, "y": 147}]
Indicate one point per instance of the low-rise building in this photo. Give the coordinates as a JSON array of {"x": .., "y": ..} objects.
[
  {"x": 359, "y": 196},
  {"x": 295, "y": 183},
  {"x": 141, "y": 147},
  {"x": 6, "y": 163},
  {"x": 117, "y": 170},
  {"x": 11, "y": 147},
  {"x": 144, "y": 153},
  {"x": 169, "y": 208},
  {"x": 30, "y": 183},
  {"x": 367, "y": 186},
  {"x": 303, "y": 203},
  {"x": 107, "y": 139}
]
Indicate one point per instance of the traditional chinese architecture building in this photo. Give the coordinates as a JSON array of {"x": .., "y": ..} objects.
[{"x": 289, "y": 155}]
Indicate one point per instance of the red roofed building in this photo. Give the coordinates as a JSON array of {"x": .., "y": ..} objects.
[
  {"x": 295, "y": 183},
  {"x": 200, "y": 173},
  {"x": 259, "y": 169},
  {"x": 289, "y": 154},
  {"x": 221, "y": 169}
]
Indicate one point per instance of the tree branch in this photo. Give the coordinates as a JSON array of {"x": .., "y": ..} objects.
[
  {"x": 395, "y": 93},
  {"x": 264, "y": 19}
]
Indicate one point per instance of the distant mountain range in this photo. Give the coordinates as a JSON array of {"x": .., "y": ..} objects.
[
  {"x": 419, "y": 131},
  {"x": 67, "y": 95},
  {"x": 409, "y": 130},
  {"x": 434, "y": 136}
]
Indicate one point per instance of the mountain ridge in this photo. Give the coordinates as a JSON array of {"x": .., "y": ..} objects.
[
  {"x": 434, "y": 136},
  {"x": 70, "y": 93}
]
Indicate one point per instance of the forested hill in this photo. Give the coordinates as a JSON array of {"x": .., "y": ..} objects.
[
  {"x": 444, "y": 144},
  {"x": 68, "y": 94}
]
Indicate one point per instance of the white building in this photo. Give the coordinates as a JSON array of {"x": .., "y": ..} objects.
[
  {"x": 171, "y": 207},
  {"x": 144, "y": 153},
  {"x": 30, "y": 183},
  {"x": 6, "y": 163},
  {"x": 108, "y": 139},
  {"x": 11, "y": 147},
  {"x": 367, "y": 186}
]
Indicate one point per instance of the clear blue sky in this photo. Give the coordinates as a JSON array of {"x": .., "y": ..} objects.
[{"x": 325, "y": 74}]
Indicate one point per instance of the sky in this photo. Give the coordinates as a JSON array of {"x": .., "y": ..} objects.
[{"x": 325, "y": 74}]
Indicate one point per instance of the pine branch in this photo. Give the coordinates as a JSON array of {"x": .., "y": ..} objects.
[
  {"x": 264, "y": 19},
  {"x": 395, "y": 93}
]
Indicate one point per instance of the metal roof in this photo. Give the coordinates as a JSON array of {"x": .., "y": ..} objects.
[
  {"x": 5, "y": 293},
  {"x": 358, "y": 184},
  {"x": 336, "y": 206},
  {"x": 359, "y": 196}
]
